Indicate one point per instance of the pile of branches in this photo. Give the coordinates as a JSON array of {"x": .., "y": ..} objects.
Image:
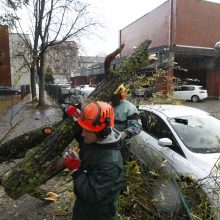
[{"x": 150, "y": 193}]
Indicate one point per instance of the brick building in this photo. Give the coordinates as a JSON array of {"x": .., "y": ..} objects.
[
  {"x": 14, "y": 58},
  {"x": 90, "y": 71},
  {"x": 5, "y": 70},
  {"x": 184, "y": 31}
]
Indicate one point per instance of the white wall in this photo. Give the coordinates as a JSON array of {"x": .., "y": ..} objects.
[{"x": 20, "y": 73}]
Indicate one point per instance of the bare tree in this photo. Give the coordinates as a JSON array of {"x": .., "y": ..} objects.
[
  {"x": 62, "y": 59},
  {"x": 49, "y": 23}
]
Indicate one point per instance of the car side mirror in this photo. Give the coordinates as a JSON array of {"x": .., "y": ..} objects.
[{"x": 164, "y": 142}]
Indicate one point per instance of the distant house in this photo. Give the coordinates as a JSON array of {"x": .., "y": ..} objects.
[
  {"x": 61, "y": 59},
  {"x": 90, "y": 71},
  {"x": 60, "y": 79},
  {"x": 14, "y": 59},
  {"x": 87, "y": 61}
]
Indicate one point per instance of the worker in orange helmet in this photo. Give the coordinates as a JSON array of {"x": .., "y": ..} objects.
[{"x": 98, "y": 169}]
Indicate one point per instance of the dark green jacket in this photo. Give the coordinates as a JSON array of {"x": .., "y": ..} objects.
[{"x": 100, "y": 177}]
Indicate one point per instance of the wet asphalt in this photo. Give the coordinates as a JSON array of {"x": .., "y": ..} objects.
[
  {"x": 25, "y": 117},
  {"x": 210, "y": 105}
]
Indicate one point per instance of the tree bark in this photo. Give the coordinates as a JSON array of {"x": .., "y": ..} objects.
[
  {"x": 42, "y": 162},
  {"x": 40, "y": 73},
  {"x": 33, "y": 86},
  {"x": 17, "y": 147}
]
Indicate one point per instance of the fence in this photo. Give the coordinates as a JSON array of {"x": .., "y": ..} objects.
[
  {"x": 54, "y": 91},
  {"x": 25, "y": 89}
]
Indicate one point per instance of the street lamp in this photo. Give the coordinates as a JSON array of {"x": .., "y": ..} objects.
[{"x": 217, "y": 47}]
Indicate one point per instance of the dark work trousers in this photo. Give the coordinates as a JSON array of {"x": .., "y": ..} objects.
[{"x": 84, "y": 211}]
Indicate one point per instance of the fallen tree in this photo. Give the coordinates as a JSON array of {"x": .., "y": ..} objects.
[
  {"x": 17, "y": 147},
  {"x": 42, "y": 161}
]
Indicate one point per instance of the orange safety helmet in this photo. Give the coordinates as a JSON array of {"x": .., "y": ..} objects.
[{"x": 96, "y": 116}]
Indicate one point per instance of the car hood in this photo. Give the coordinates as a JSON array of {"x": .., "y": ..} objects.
[{"x": 206, "y": 162}]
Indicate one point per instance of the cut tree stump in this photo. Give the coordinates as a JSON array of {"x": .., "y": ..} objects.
[
  {"x": 43, "y": 161},
  {"x": 16, "y": 147}
]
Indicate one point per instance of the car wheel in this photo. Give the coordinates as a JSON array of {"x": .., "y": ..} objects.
[
  {"x": 195, "y": 98},
  {"x": 16, "y": 93}
]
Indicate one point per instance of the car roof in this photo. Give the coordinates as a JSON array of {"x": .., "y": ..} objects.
[
  {"x": 192, "y": 85},
  {"x": 173, "y": 111},
  {"x": 189, "y": 85}
]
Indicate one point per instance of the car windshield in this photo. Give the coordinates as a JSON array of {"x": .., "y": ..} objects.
[{"x": 200, "y": 134}]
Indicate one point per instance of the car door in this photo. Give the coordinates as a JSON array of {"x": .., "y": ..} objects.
[
  {"x": 142, "y": 147},
  {"x": 177, "y": 92},
  {"x": 188, "y": 92},
  {"x": 1, "y": 91},
  {"x": 171, "y": 157},
  {"x": 7, "y": 91}
]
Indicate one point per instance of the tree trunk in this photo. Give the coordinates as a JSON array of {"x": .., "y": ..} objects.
[
  {"x": 124, "y": 73},
  {"x": 41, "y": 81},
  {"x": 41, "y": 163},
  {"x": 17, "y": 147},
  {"x": 33, "y": 86}
]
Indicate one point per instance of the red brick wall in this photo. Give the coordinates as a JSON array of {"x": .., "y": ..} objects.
[
  {"x": 186, "y": 22},
  {"x": 213, "y": 85},
  {"x": 5, "y": 71},
  {"x": 197, "y": 23},
  {"x": 78, "y": 80},
  {"x": 153, "y": 26}
]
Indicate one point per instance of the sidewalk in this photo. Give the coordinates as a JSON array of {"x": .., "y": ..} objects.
[
  {"x": 28, "y": 207},
  {"x": 29, "y": 117}
]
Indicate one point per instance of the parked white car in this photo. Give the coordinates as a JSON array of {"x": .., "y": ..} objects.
[
  {"x": 186, "y": 139},
  {"x": 194, "y": 93},
  {"x": 84, "y": 90},
  {"x": 65, "y": 88},
  {"x": 77, "y": 95}
]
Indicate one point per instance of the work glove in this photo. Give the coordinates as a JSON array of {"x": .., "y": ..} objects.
[
  {"x": 71, "y": 159},
  {"x": 123, "y": 135},
  {"x": 73, "y": 112}
]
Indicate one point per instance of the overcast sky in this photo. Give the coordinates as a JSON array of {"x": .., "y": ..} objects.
[{"x": 115, "y": 15}]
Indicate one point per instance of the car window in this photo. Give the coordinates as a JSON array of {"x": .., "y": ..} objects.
[
  {"x": 184, "y": 88},
  {"x": 156, "y": 127},
  {"x": 177, "y": 89},
  {"x": 188, "y": 88},
  {"x": 200, "y": 134}
]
